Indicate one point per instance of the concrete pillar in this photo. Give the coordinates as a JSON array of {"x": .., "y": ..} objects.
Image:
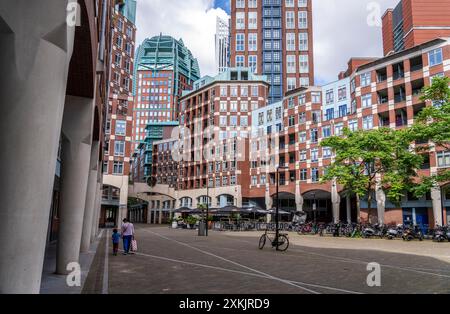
[
  {"x": 91, "y": 193},
  {"x": 36, "y": 47},
  {"x": 160, "y": 217},
  {"x": 97, "y": 208},
  {"x": 381, "y": 201},
  {"x": 436, "y": 198},
  {"x": 154, "y": 216},
  {"x": 269, "y": 200},
  {"x": 149, "y": 214},
  {"x": 336, "y": 201},
  {"x": 298, "y": 198},
  {"x": 76, "y": 155},
  {"x": 349, "y": 209}
]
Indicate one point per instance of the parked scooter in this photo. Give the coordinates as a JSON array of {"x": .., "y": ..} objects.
[
  {"x": 374, "y": 231},
  {"x": 412, "y": 233},
  {"x": 441, "y": 234},
  {"x": 395, "y": 232}
]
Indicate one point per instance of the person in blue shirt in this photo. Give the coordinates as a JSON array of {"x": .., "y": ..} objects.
[{"x": 116, "y": 240}]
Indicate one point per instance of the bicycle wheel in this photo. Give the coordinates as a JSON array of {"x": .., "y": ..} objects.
[
  {"x": 262, "y": 241},
  {"x": 283, "y": 243}
]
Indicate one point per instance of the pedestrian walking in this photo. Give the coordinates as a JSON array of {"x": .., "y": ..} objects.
[
  {"x": 115, "y": 240},
  {"x": 127, "y": 235}
]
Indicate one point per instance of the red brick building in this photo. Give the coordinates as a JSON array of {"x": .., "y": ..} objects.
[{"x": 413, "y": 22}]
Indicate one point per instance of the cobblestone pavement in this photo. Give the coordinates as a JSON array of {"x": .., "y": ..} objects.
[{"x": 179, "y": 261}]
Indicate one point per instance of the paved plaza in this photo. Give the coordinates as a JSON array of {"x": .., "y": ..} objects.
[{"x": 180, "y": 262}]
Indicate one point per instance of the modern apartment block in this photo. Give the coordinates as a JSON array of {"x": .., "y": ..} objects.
[
  {"x": 143, "y": 155},
  {"x": 274, "y": 38},
  {"x": 118, "y": 146},
  {"x": 222, "y": 45},
  {"x": 373, "y": 93},
  {"x": 414, "y": 22},
  {"x": 165, "y": 67}
]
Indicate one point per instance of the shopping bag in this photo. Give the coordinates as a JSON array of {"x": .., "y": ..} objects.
[{"x": 134, "y": 246}]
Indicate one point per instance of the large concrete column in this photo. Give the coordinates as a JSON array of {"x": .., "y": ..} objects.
[
  {"x": 97, "y": 207},
  {"x": 76, "y": 156},
  {"x": 36, "y": 47},
  {"x": 160, "y": 217},
  {"x": 436, "y": 197},
  {"x": 349, "y": 209},
  {"x": 381, "y": 201},
  {"x": 298, "y": 198},
  {"x": 336, "y": 201},
  {"x": 89, "y": 208}
]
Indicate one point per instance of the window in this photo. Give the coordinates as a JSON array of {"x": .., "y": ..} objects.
[
  {"x": 244, "y": 106},
  {"x": 367, "y": 100},
  {"x": 252, "y": 63},
  {"x": 254, "y": 180},
  {"x": 255, "y": 91},
  {"x": 443, "y": 159},
  {"x": 314, "y": 136},
  {"x": 302, "y": 137},
  {"x": 330, "y": 96},
  {"x": 240, "y": 4},
  {"x": 252, "y": 20},
  {"x": 291, "y": 64},
  {"x": 291, "y": 121},
  {"x": 290, "y": 20},
  {"x": 289, "y": 3},
  {"x": 303, "y": 174},
  {"x": 342, "y": 93},
  {"x": 315, "y": 175},
  {"x": 234, "y": 91},
  {"x": 302, "y": 117},
  {"x": 233, "y": 106},
  {"x": 223, "y": 91},
  {"x": 262, "y": 179},
  {"x": 302, "y": 19},
  {"x": 314, "y": 155},
  {"x": 290, "y": 41},
  {"x": 304, "y": 64},
  {"x": 353, "y": 125},
  {"x": 223, "y": 106},
  {"x": 118, "y": 59},
  {"x": 326, "y": 152},
  {"x": 233, "y": 180},
  {"x": 240, "y": 42},
  {"x": 302, "y": 99},
  {"x": 121, "y": 127},
  {"x": 435, "y": 57},
  {"x": 278, "y": 113},
  {"x": 240, "y": 61},
  {"x": 244, "y": 121},
  {"x": 118, "y": 167},
  {"x": 233, "y": 120},
  {"x": 291, "y": 83},
  {"x": 253, "y": 3},
  {"x": 223, "y": 121},
  {"x": 240, "y": 20},
  {"x": 326, "y": 130},
  {"x": 252, "y": 42},
  {"x": 244, "y": 91},
  {"x": 368, "y": 123},
  {"x": 303, "y": 41},
  {"x": 338, "y": 129},
  {"x": 302, "y": 3},
  {"x": 303, "y": 155},
  {"x": 365, "y": 79},
  {"x": 119, "y": 148}
]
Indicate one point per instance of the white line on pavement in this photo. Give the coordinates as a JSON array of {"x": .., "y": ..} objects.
[
  {"x": 105, "y": 268},
  {"x": 243, "y": 273}
]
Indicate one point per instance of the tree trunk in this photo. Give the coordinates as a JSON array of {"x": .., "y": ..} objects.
[
  {"x": 358, "y": 209},
  {"x": 369, "y": 205}
]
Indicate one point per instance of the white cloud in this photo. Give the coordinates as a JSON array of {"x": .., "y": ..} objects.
[
  {"x": 341, "y": 30},
  {"x": 192, "y": 20}
]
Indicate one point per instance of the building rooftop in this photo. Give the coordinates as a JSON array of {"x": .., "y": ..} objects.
[{"x": 230, "y": 75}]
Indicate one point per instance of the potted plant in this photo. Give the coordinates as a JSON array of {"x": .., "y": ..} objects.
[{"x": 191, "y": 221}]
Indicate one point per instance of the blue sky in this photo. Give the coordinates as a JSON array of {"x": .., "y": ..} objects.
[{"x": 224, "y": 4}]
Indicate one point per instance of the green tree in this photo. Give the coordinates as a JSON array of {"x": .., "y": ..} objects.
[
  {"x": 433, "y": 125},
  {"x": 365, "y": 160}
]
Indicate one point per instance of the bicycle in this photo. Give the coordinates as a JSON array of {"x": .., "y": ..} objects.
[{"x": 283, "y": 240}]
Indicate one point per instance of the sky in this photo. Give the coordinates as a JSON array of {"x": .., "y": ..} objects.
[{"x": 342, "y": 29}]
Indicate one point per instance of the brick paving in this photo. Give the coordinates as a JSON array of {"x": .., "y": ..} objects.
[{"x": 178, "y": 261}]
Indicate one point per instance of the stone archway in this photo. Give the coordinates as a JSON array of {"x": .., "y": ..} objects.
[{"x": 318, "y": 205}]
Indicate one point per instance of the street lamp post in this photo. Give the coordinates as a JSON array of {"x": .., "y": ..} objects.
[{"x": 277, "y": 210}]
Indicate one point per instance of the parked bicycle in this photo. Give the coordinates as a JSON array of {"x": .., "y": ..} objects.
[{"x": 282, "y": 241}]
